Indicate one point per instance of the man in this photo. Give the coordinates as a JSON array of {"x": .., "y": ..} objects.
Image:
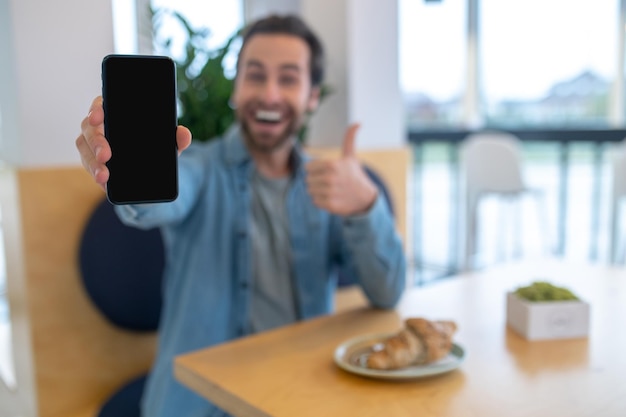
[{"x": 256, "y": 234}]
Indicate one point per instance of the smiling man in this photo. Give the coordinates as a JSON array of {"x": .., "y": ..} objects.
[
  {"x": 273, "y": 91},
  {"x": 257, "y": 233}
]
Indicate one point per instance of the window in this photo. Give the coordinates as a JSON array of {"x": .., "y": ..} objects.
[
  {"x": 221, "y": 19},
  {"x": 539, "y": 64},
  {"x": 547, "y": 64},
  {"x": 550, "y": 72},
  {"x": 124, "y": 26},
  {"x": 432, "y": 62}
]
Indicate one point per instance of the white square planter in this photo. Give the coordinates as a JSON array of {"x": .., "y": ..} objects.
[{"x": 547, "y": 319}]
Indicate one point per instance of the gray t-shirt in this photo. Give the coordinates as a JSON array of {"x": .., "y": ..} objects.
[{"x": 272, "y": 302}]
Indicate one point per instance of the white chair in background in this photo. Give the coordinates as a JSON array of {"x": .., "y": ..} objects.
[
  {"x": 618, "y": 192},
  {"x": 491, "y": 165}
]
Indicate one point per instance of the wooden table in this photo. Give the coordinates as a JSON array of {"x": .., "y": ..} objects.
[{"x": 290, "y": 371}]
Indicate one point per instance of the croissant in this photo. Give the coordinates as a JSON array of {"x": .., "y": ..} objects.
[{"x": 420, "y": 342}]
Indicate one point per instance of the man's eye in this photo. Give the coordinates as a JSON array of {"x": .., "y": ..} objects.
[
  {"x": 288, "y": 80},
  {"x": 255, "y": 76}
]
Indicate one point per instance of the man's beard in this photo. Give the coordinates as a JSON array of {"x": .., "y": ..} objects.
[{"x": 267, "y": 144}]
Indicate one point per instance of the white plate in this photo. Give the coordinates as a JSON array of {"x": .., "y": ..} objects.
[{"x": 350, "y": 356}]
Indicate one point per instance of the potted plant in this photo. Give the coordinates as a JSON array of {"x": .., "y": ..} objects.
[
  {"x": 204, "y": 89},
  {"x": 542, "y": 310}
]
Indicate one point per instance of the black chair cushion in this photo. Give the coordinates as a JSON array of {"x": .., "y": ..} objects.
[
  {"x": 382, "y": 186},
  {"x": 122, "y": 269},
  {"x": 125, "y": 402}
]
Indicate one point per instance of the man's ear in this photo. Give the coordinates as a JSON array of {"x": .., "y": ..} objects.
[{"x": 314, "y": 99}]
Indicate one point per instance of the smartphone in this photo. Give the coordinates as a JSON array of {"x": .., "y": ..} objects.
[{"x": 140, "y": 119}]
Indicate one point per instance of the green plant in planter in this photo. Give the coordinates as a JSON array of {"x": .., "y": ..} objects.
[
  {"x": 544, "y": 291},
  {"x": 204, "y": 89}
]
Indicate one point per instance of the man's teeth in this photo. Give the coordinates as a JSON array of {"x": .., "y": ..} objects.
[{"x": 268, "y": 115}]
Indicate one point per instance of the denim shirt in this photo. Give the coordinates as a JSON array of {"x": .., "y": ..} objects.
[{"x": 207, "y": 277}]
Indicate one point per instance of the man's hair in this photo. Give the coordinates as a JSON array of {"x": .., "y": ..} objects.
[{"x": 290, "y": 25}]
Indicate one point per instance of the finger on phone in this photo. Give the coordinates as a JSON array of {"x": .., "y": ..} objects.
[
  {"x": 183, "y": 138},
  {"x": 95, "y": 116},
  {"x": 95, "y": 140},
  {"x": 92, "y": 129},
  {"x": 98, "y": 170}
]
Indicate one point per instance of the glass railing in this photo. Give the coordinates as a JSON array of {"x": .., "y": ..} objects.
[{"x": 571, "y": 167}]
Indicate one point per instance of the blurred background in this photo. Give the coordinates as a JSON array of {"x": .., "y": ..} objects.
[{"x": 549, "y": 72}]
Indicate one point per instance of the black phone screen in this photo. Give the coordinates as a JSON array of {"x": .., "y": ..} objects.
[{"x": 140, "y": 118}]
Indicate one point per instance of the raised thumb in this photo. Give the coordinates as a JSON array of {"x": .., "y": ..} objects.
[{"x": 349, "y": 147}]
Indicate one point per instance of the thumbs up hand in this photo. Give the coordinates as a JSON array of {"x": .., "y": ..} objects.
[{"x": 341, "y": 186}]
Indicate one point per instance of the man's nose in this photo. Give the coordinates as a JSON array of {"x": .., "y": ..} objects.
[{"x": 271, "y": 92}]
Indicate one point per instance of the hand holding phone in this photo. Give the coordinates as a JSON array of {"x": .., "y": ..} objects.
[
  {"x": 140, "y": 119},
  {"x": 94, "y": 149}
]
